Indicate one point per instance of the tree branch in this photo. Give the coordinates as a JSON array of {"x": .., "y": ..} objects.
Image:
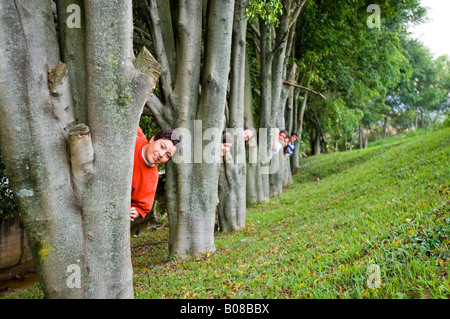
[
  {"x": 150, "y": 71},
  {"x": 145, "y": 33},
  {"x": 158, "y": 43},
  {"x": 298, "y": 86},
  {"x": 306, "y": 89},
  {"x": 154, "y": 107},
  {"x": 297, "y": 11},
  {"x": 255, "y": 31}
]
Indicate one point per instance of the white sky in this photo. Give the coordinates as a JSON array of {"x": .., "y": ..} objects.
[{"x": 435, "y": 33}]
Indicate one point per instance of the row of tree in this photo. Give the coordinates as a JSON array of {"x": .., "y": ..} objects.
[{"x": 74, "y": 88}]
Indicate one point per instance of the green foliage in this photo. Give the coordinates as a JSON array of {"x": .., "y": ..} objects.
[
  {"x": 148, "y": 126},
  {"x": 446, "y": 122},
  {"x": 266, "y": 10},
  {"x": 8, "y": 206},
  {"x": 141, "y": 34},
  {"x": 355, "y": 65}
]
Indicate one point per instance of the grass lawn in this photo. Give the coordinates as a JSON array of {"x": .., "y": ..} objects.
[{"x": 385, "y": 207}]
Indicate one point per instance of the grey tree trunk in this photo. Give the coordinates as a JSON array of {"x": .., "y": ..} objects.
[
  {"x": 315, "y": 142},
  {"x": 265, "y": 121},
  {"x": 273, "y": 71},
  {"x": 360, "y": 135},
  {"x": 72, "y": 42},
  {"x": 232, "y": 183},
  {"x": 295, "y": 164},
  {"x": 198, "y": 92},
  {"x": 283, "y": 176},
  {"x": 75, "y": 204},
  {"x": 253, "y": 193}
]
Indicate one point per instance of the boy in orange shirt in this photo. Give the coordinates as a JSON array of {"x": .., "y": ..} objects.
[{"x": 147, "y": 155}]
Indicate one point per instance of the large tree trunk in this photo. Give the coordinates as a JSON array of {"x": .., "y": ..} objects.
[
  {"x": 73, "y": 51},
  {"x": 283, "y": 176},
  {"x": 75, "y": 204},
  {"x": 255, "y": 187},
  {"x": 232, "y": 184},
  {"x": 385, "y": 120},
  {"x": 273, "y": 70},
  {"x": 197, "y": 93},
  {"x": 315, "y": 141},
  {"x": 295, "y": 158}
]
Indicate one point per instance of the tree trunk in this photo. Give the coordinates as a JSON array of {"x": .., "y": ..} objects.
[
  {"x": 296, "y": 155},
  {"x": 75, "y": 204},
  {"x": 315, "y": 142},
  {"x": 232, "y": 184},
  {"x": 73, "y": 51},
  {"x": 273, "y": 71},
  {"x": 191, "y": 185},
  {"x": 361, "y": 136},
  {"x": 265, "y": 140},
  {"x": 253, "y": 178},
  {"x": 283, "y": 175}
]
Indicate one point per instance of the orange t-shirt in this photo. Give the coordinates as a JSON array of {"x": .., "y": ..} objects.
[{"x": 145, "y": 179}]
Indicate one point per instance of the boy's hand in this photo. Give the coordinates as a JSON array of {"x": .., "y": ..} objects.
[{"x": 134, "y": 213}]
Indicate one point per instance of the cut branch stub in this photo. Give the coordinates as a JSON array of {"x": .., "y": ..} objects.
[
  {"x": 59, "y": 86},
  {"x": 56, "y": 77},
  {"x": 81, "y": 154},
  {"x": 147, "y": 64}
]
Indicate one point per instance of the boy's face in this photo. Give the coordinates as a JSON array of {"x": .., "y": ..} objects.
[
  {"x": 293, "y": 138},
  {"x": 159, "y": 151}
]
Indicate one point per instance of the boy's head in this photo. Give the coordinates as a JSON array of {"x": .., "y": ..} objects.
[
  {"x": 293, "y": 137},
  {"x": 162, "y": 146}
]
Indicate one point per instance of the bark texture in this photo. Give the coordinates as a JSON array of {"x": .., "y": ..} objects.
[
  {"x": 71, "y": 170},
  {"x": 196, "y": 93},
  {"x": 232, "y": 180}
]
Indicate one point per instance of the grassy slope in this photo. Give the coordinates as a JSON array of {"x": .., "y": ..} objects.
[{"x": 385, "y": 205}]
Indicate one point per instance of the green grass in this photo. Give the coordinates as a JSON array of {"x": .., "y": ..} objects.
[{"x": 386, "y": 205}]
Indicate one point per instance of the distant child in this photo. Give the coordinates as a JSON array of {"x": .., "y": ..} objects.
[{"x": 289, "y": 148}]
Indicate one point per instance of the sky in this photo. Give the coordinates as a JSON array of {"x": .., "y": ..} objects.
[{"x": 435, "y": 33}]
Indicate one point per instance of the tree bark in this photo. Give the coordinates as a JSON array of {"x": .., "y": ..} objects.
[
  {"x": 254, "y": 190},
  {"x": 295, "y": 158},
  {"x": 232, "y": 183},
  {"x": 72, "y": 41},
  {"x": 273, "y": 70},
  {"x": 74, "y": 197},
  {"x": 197, "y": 94}
]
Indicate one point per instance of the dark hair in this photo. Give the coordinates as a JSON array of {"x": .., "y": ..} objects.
[
  {"x": 293, "y": 133},
  {"x": 168, "y": 134},
  {"x": 283, "y": 131}
]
